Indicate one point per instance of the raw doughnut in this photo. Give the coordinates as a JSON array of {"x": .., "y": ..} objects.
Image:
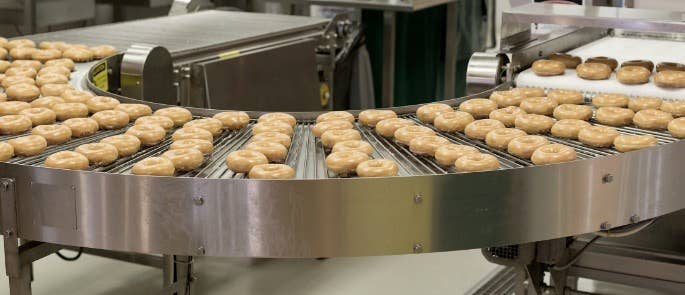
[
  {"x": 448, "y": 153},
  {"x": 65, "y": 62},
  {"x": 676, "y": 108},
  {"x": 272, "y": 126},
  {"x": 545, "y": 67},
  {"x": 271, "y": 171},
  {"x": 81, "y": 96},
  {"x": 134, "y": 110},
  {"x": 345, "y": 163},
  {"x": 426, "y": 145},
  {"x": 570, "y": 61},
  {"x": 67, "y": 160},
  {"x": 404, "y": 135},
  {"x": 331, "y": 137},
  {"x": 530, "y": 91},
  {"x": 280, "y": 117},
  {"x": 320, "y": 128},
  {"x": 233, "y": 120},
  {"x": 507, "y": 115},
  {"x": 51, "y": 78},
  {"x": 387, "y": 127},
  {"x": 452, "y": 122},
  {"x": 353, "y": 145},
  {"x": 507, "y": 98},
  {"x": 478, "y": 107},
  {"x": 126, "y": 144},
  {"x": 593, "y": 71},
  {"x": 677, "y": 128},
  {"x": 337, "y": 115},
  {"x": 98, "y": 154},
  {"x": 81, "y": 127},
  {"x": 273, "y": 137},
  {"x": 427, "y": 113},
  {"x": 643, "y": 103},
  {"x": 538, "y": 105},
  {"x": 22, "y": 63},
  {"x": 160, "y": 121},
  {"x": 610, "y": 62},
  {"x": 14, "y": 124},
  {"x": 148, "y": 134},
  {"x": 500, "y": 138},
  {"x": 40, "y": 116},
  {"x": 179, "y": 115},
  {"x": 23, "y": 72},
  {"x": 479, "y": 129},
  {"x": 598, "y": 136},
  {"x": 614, "y": 116},
  {"x": 552, "y": 154},
  {"x": 69, "y": 110},
  {"x": 53, "y": 134},
  {"x": 652, "y": 119},
  {"x": 155, "y": 166},
  {"x": 101, "y": 103},
  {"x": 610, "y": 100},
  {"x": 78, "y": 54},
  {"x": 17, "y": 43},
  {"x": 22, "y": 92},
  {"x": 13, "y": 107},
  {"x": 242, "y": 161},
  {"x": 64, "y": 71},
  {"x": 54, "y": 89},
  {"x": 22, "y": 53},
  {"x": 102, "y": 51},
  {"x": 27, "y": 146},
  {"x": 372, "y": 117},
  {"x": 185, "y": 159},
  {"x": 569, "y": 128},
  {"x": 273, "y": 151},
  {"x": 6, "y": 151},
  {"x": 476, "y": 162},
  {"x": 214, "y": 126},
  {"x": 13, "y": 80},
  {"x": 192, "y": 132},
  {"x": 626, "y": 143},
  {"x": 111, "y": 119},
  {"x": 534, "y": 124},
  {"x": 204, "y": 146},
  {"x": 639, "y": 63},
  {"x": 377, "y": 168},
  {"x": 524, "y": 146},
  {"x": 573, "y": 111},
  {"x": 43, "y": 55},
  {"x": 633, "y": 75},
  {"x": 670, "y": 66},
  {"x": 668, "y": 79}
]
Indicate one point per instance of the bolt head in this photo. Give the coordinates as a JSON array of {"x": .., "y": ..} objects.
[
  {"x": 199, "y": 200},
  {"x": 201, "y": 251},
  {"x": 634, "y": 219},
  {"x": 607, "y": 178},
  {"x": 605, "y": 225},
  {"x": 418, "y": 198},
  {"x": 417, "y": 248}
]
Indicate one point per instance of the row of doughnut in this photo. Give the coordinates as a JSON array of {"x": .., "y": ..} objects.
[{"x": 25, "y": 49}]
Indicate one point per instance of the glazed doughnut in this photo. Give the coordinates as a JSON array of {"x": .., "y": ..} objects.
[
  {"x": 192, "y": 132},
  {"x": 372, "y": 117},
  {"x": 81, "y": 127},
  {"x": 478, "y": 107},
  {"x": 568, "y": 128},
  {"x": 22, "y": 63},
  {"x": 98, "y": 154},
  {"x": 65, "y": 62},
  {"x": 524, "y": 146},
  {"x": 652, "y": 119},
  {"x": 155, "y": 166},
  {"x": 271, "y": 171},
  {"x": 545, "y": 67},
  {"x": 214, "y": 126},
  {"x": 337, "y": 115},
  {"x": 148, "y": 134},
  {"x": 331, "y": 137},
  {"x": 573, "y": 111},
  {"x": 280, "y": 117},
  {"x": 427, "y": 113},
  {"x": 22, "y": 53},
  {"x": 538, "y": 105},
  {"x": 242, "y": 161},
  {"x": 20, "y": 43},
  {"x": 53, "y": 134},
  {"x": 552, "y": 154},
  {"x": 610, "y": 100},
  {"x": 101, "y": 103},
  {"x": 13, "y": 107},
  {"x": 507, "y": 98},
  {"x": 4, "y": 65},
  {"x": 43, "y": 55},
  {"x": 610, "y": 62},
  {"x": 633, "y": 75},
  {"x": 103, "y": 51},
  {"x": 639, "y": 63},
  {"x": 677, "y": 127},
  {"x": 14, "y": 124},
  {"x": 40, "y": 116},
  {"x": 353, "y": 145},
  {"x": 67, "y": 160},
  {"x": 273, "y": 151},
  {"x": 666, "y": 79},
  {"x": 404, "y": 135},
  {"x": 70, "y": 110},
  {"x": 454, "y": 121},
  {"x": 570, "y": 61},
  {"x": 324, "y": 126},
  {"x": 125, "y": 144},
  {"x": 593, "y": 71},
  {"x": 448, "y": 153},
  {"x": 22, "y": 92},
  {"x": 204, "y": 146},
  {"x": 345, "y": 163},
  {"x": 507, "y": 115},
  {"x": 534, "y": 124},
  {"x": 670, "y": 66},
  {"x": 111, "y": 119},
  {"x": 479, "y": 129},
  {"x": 160, "y": 121},
  {"x": 272, "y": 126},
  {"x": 14, "y": 80},
  {"x": 272, "y": 137},
  {"x": 614, "y": 116},
  {"x": 6, "y": 151},
  {"x": 233, "y": 120},
  {"x": 643, "y": 103},
  {"x": 598, "y": 136},
  {"x": 22, "y": 72},
  {"x": 179, "y": 115},
  {"x": 675, "y": 107},
  {"x": 64, "y": 71},
  {"x": 27, "y": 146},
  {"x": 55, "y": 89},
  {"x": 134, "y": 110},
  {"x": 500, "y": 138},
  {"x": 185, "y": 159},
  {"x": 626, "y": 143},
  {"x": 476, "y": 162},
  {"x": 51, "y": 78},
  {"x": 530, "y": 91},
  {"x": 426, "y": 145},
  {"x": 80, "y": 96},
  {"x": 78, "y": 54},
  {"x": 377, "y": 168},
  {"x": 387, "y": 127}
]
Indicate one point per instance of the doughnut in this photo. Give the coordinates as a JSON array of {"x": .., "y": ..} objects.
[
  {"x": 52, "y": 45},
  {"x": 345, "y": 163},
  {"x": 670, "y": 66},
  {"x": 478, "y": 107},
  {"x": 81, "y": 96},
  {"x": 639, "y": 63},
  {"x": 148, "y": 134},
  {"x": 538, "y": 105},
  {"x": 404, "y": 135},
  {"x": 476, "y": 162},
  {"x": 51, "y": 78},
  {"x": 78, "y": 54},
  {"x": 125, "y": 144},
  {"x": 14, "y": 124},
  {"x": 192, "y": 132},
  {"x": 160, "y": 121},
  {"x": 598, "y": 136},
  {"x": 179, "y": 115},
  {"x": 546, "y": 67},
  {"x": 65, "y": 62},
  {"x": 387, "y": 127},
  {"x": 64, "y": 71},
  {"x": 677, "y": 127},
  {"x": 22, "y": 53},
  {"x": 280, "y": 117},
  {"x": 4, "y": 65},
  {"x": 573, "y": 111},
  {"x": 568, "y": 128},
  {"x": 652, "y": 119},
  {"x": 273, "y": 137},
  {"x": 103, "y": 51},
  {"x": 111, "y": 119},
  {"x": 22, "y": 72},
  {"x": 426, "y": 145},
  {"x": 337, "y": 115},
  {"x": 524, "y": 146},
  {"x": 507, "y": 115},
  {"x": 273, "y": 151},
  {"x": 500, "y": 138},
  {"x": 43, "y": 55},
  {"x": 54, "y": 89},
  {"x": 643, "y": 103},
  {"x": 353, "y": 145},
  {"x": 666, "y": 79},
  {"x": 552, "y": 154},
  {"x": 271, "y": 171},
  {"x": 204, "y": 146},
  {"x": 593, "y": 71},
  {"x": 610, "y": 100},
  {"x": 13, "y": 107},
  {"x": 40, "y": 116},
  {"x": 631, "y": 75},
  {"x": 331, "y": 137},
  {"x": 214, "y": 126},
  {"x": 507, "y": 98},
  {"x": 272, "y": 126},
  {"x": 610, "y": 62},
  {"x": 530, "y": 91},
  {"x": 570, "y": 61},
  {"x": 22, "y": 63},
  {"x": 242, "y": 161},
  {"x": 155, "y": 166},
  {"x": 134, "y": 110},
  {"x": 321, "y": 127},
  {"x": 614, "y": 116},
  {"x": 22, "y": 92},
  {"x": 27, "y": 146},
  {"x": 676, "y": 107},
  {"x": 377, "y": 168},
  {"x": 3, "y": 97},
  {"x": 626, "y": 143},
  {"x": 533, "y": 123},
  {"x": 185, "y": 159},
  {"x": 3, "y": 53},
  {"x": 372, "y": 117},
  {"x": 70, "y": 110},
  {"x": 17, "y": 43},
  {"x": 81, "y": 127},
  {"x": 98, "y": 154},
  {"x": 67, "y": 160},
  {"x": 101, "y": 103},
  {"x": 448, "y": 153},
  {"x": 233, "y": 120},
  {"x": 13, "y": 80},
  {"x": 566, "y": 96},
  {"x": 454, "y": 121},
  {"x": 479, "y": 129},
  {"x": 427, "y": 113},
  {"x": 67, "y": 46},
  {"x": 53, "y": 134},
  {"x": 6, "y": 151}
]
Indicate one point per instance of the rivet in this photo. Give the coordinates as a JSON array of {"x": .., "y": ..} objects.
[
  {"x": 418, "y": 248},
  {"x": 605, "y": 225},
  {"x": 634, "y": 218},
  {"x": 607, "y": 178},
  {"x": 201, "y": 250},
  {"x": 199, "y": 200},
  {"x": 418, "y": 198}
]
